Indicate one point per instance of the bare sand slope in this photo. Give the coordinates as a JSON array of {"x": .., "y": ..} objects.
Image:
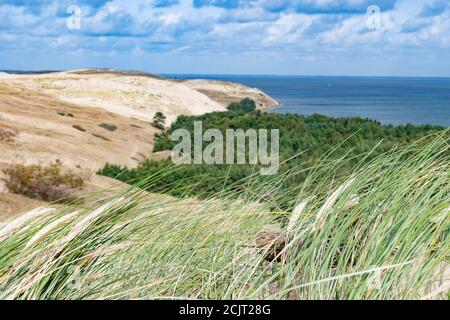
[
  {"x": 46, "y": 117},
  {"x": 43, "y": 129},
  {"x": 228, "y": 92},
  {"x": 129, "y": 94},
  {"x": 39, "y": 129},
  {"x": 12, "y": 204}
]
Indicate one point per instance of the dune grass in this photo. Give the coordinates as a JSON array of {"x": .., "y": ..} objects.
[{"x": 380, "y": 233}]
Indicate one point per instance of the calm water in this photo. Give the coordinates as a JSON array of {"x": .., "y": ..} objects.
[{"x": 388, "y": 100}]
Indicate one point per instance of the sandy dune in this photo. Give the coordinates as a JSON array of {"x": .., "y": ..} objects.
[
  {"x": 43, "y": 129},
  {"x": 46, "y": 117},
  {"x": 11, "y": 204},
  {"x": 228, "y": 92},
  {"x": 38, "y": 128},
  {"x": 126, "y": 94}
]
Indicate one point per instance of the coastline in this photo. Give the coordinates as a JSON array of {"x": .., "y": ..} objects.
[
  {"x": 137, "y": 94},
  {"x": 390, "y": 101},
  {"x": 57, "y": 115}
]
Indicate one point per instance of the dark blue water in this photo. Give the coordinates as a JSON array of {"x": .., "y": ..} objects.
[{"x": 388, "y": 100}]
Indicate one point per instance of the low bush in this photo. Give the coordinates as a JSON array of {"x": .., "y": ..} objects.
[
  {"x": 46, "y": 183},
  {"x": 63, "y": 114},
  {"x": 159, "y": 120},
  {"x": 108, "y": 126},
  {"x": 245, "y": 105},
  {"x": 79, "y": 128}
]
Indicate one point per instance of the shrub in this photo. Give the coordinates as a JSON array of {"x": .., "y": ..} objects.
[
  {"x": 159, "y": 120},
  {"x": 63, "y": 114},
  {"x": 46, "y": 183},
  {"x": 80, "y": 128},
  {"x": 246, "y": 105},
  {"x": 108, "y": 126}
]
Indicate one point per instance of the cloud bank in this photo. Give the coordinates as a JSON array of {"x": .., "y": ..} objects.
[{"x": 404, "y": 37}]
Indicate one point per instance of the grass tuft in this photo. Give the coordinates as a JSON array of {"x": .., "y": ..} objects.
[{"x": 382, "y": 232}]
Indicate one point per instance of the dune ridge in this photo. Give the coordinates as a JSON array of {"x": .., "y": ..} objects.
[{"x": 64, "y": 116}]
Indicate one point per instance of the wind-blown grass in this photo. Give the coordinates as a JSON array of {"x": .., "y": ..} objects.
[{"x": 380, "y": 233}]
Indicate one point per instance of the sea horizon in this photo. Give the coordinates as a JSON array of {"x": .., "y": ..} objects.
[
  {"x": 201, "y": 75},
  {"x": 390, "y": 100}
]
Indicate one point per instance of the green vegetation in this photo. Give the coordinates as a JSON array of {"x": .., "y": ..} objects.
[
  {"x": 46, "y": 183},
  {"x": 357, "y": 211},
  {"x": 63, "y": 114},
  {"x": 108, "y": 126},
  {"x": 79, "y": 128},
  {"x": 303, "y": 141},
  {"x": 159, "y": 120},
  {"x": 381, "y": 231},
  {"x": 245, "y": 105}
]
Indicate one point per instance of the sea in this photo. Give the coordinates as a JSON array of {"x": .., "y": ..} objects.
[{"x": 389, "y": 100}]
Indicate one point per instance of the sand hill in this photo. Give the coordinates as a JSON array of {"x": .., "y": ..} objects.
[
  {"x": 135, "y": 94},
  {"x": 86, "y": 118},
  {"x": 228, "y": 92},
  {"x": 129, "y": 95}
]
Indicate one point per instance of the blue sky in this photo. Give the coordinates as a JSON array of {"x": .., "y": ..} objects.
[{"x": 291, "y": 37}]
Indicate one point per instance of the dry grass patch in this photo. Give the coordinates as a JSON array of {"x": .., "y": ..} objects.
[
  {"x": 7, "y": 135},
  {"x": 48, "y": 183}
]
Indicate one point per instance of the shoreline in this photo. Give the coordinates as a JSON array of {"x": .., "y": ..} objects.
[{"x": 224, "y": 89}]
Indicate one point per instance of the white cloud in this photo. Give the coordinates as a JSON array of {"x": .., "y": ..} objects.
[
  {"x": 278, "y": 27},
  {"x": 288, "y": 28}
]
